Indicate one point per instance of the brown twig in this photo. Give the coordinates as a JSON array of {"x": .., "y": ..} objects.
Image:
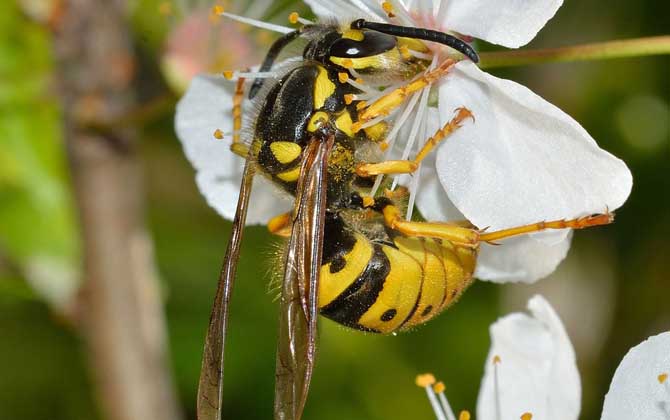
[{"x": 121, "y": 314}]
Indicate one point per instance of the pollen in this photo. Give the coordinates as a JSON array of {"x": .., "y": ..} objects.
[
  {"x": 527, "y": 416},
  {"x": 439, "y": 387},
  {"x": 496, "y": 360},
  {"x": 425, "y": 380},
  {"x": 368, "y": 202},
  {"x": 293, "y": 17},
  {"x": 343, "y": 77},
  {"x": 404, "y": 51},
  {"x": 388, "y": 8},
  {"x": 218, "y": 9},
  {"x": 464, "y": 415},
  {"x": 228, "y": 74},
  {"x": 662, "y": 378},
  {"x": 349, "y": 98},
  {"x": 218, "y": 134}
]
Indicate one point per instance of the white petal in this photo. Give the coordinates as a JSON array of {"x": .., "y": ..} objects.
[
  {"x": 523, "y": 160},
  {"x": 345, "y": 10},
  {"x": 522, "y": 259},
  {"x": 537, "y": 372},
  {"x": 511, "y": 23},
  {"x": 206, "y": 107},
  {"x": 635, "y": 391}
]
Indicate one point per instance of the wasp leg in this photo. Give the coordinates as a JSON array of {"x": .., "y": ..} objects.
[
  {"x": 454, "y": 233},
  {"x": 237, "y": 146},
  {"x": 389, "y": 102},
  {"x": 580, "y": 223},
  {"x": 408, "y": 166},
  {"x": 281, "y": 225}
]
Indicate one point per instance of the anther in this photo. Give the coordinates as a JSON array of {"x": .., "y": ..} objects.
[
  {"x": 349, "y": 98},
  {"x": 218, "y": 134},
  {"x": 293, "y": 18},
  {"x": 662, "y": 378},
  {"x": 526, "y": 416},
  {"x": 388, "y": 8},
  {"x": 464, "y": 415},
  {"x": 439, "y": 387},
  {"x": 343, "y": 77},
  {"x": 218, "y": 9},
  {"x": 496, "y": 360},
  {"x": 347, "y": 63},
  {"x": 361, "y": 105},
  {"x": 359, "y": 81},
  {"x": 228, "y": 74},
  {"x": 425, "y": 380}
]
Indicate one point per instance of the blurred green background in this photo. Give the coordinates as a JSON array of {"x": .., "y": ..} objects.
[{"x": 612, "y": 291}]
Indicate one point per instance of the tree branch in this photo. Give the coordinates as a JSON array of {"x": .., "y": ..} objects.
[{"x": 122, "y": 317}]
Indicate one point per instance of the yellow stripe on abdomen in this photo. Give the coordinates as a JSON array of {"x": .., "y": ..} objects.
[
  {"x": 398, "y": 296},
  {"x": 339, "y": 274},
  {"x": 434, "y": 285}
]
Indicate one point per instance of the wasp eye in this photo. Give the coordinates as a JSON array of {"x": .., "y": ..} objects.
[{"x": 373, "y": 43}]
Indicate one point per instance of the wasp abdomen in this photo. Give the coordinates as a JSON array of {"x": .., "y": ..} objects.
[{"x": 382, "y": 288}]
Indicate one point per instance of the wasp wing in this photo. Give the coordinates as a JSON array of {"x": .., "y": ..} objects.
[
  {"x": 298, "y": 307},
  {"x": 210, "y": 387}
]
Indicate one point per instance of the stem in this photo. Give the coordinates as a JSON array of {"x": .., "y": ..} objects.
[
  {"x": 122, "y": 318},
  {"x": 638, "y": 47}
]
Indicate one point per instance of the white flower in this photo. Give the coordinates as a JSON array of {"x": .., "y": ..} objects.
[
  {"x": 531, "y": 373},
  {"x": 522, "y": 161},
  {"x": 640, "y": 388},
  {"x": 530, "y": 370}
]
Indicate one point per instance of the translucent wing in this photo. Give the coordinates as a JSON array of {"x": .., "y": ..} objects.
[
  {"x": 298, "y": 307},
  {"x": 210, "y": 387}
]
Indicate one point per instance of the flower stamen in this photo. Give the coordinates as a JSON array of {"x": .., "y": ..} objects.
[
  {"x": 236, "y": 75},
  {"x": 426, "y": 381},
  {"x": 464, "y": 415},
  {"x": 439, "y": 389},
  {"x": 496, "y": 385},
  {"x": 527, "y": 416},
  {"x": 295, "y": 17},
  {"x": 219, "y": 11}
]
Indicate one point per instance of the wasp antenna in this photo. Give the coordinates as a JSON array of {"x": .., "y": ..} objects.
[
  {"x": 272, "y": 55},
  {"x": 419, "y": 33}
]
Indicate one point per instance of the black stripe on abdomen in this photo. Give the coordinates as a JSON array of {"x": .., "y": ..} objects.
[{"x": 356, "y": 299}]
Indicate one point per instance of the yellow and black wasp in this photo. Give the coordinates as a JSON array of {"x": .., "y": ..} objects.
[{"x": 351, "y": 256}]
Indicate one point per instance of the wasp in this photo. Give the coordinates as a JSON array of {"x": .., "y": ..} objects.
[{"x": 351, "y": 254}]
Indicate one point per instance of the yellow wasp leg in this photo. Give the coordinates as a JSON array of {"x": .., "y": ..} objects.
[
  {"x": 238, "y": 147},
  {"x": 281, "y": 225},
  {"x": 408, "y": 166},
  {"x": 580, "y": 223},
  {"x": 390, "y": 101},
  {"x": 453, "y": 233}
]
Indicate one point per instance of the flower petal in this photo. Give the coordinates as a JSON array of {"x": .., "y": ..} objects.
[
  {"x": 206, "y": 107},
  {"x": 637, "y": 390},
  {"x": 537, "y": 372},
  {"x": 523, "y": 160},
  {"x": 522, "y": 259},
  {"x": 511, "y": 23},
  {"x": 345, "y": 9}
]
